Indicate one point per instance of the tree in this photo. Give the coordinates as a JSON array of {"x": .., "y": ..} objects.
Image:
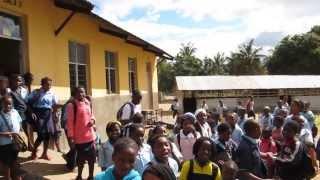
[
  {"x": 166, "y": 77},
  {"x": 220, "y": 63},
  {"x": 298, "y": 54},
  {"x": 186, "y": 63},
  {"x": 247, "y": 60}
]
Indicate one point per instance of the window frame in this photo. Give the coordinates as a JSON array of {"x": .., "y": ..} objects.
[
  {"x": 108, "y": 70},
  {"x": 134, "y": 72}
]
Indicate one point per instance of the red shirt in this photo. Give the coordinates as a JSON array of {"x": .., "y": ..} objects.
[{"x": 79, "y": 128}]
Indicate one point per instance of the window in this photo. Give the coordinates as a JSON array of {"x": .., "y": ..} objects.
[
  {"x": 77, "y": 64},
  {"x": 132, "y": 64},
  {"x": 111, "y": 71}
]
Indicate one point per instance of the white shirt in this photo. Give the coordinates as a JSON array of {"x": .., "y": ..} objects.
[
  {"x": 237, "y": 134},
  {"x": 143, "y": 158},
  {"x": 306, "y": 136},
  {"x": 266, "y": 121},
  {"x": 186, "y": 144},
  {"x": 126, "y": 111},
  {"x": 172, "y": 163},
  {"x": 13, "y": 120},
  {"x": 206, "y": 130},
  {"x": 305, "y": 124}
]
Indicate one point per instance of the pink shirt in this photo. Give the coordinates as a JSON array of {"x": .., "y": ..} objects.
[
  {"x": 78, "y": 128},
  {"x": 186, "y": 144}
]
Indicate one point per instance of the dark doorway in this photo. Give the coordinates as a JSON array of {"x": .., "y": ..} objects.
[
  {"x": 189, "y": 105},
  {"x": 10, "y": 56},
  {"x": 10, "y": 44}
]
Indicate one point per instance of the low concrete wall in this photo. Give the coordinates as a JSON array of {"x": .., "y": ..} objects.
[{"x": 106, "y": 108}]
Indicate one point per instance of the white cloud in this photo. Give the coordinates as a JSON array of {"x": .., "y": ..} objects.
[{"x": 255, "y": 17}]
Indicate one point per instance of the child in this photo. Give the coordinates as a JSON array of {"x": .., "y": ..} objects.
[
  {"x": 247, "y": 155},
  {"x": 277, "y": 130},
  {"x": 105, "y": 151},
  {"x": 161, "y": 150},
  {"x": 267, "y": 147},
  {"x": 187, "y": 136},
  {"x": 123, "y": 156},
  {"x": 266, "y": 118},
  {"x": 158, "y": 172},
  {"x": 161, "y": 130},
  {"x": 292, "y": 162},
  {"x": 80, "y": 124},
  {"x": 9, "y": 125},
  {"x": 229, "y": 170},
  {"x": 145, "y": 155},
  {"x": 201, "y": 167},
  {"x": 241, "y": 117},
  {"x": 225, "y": 146},
  {"x": 201, "y": 124}
]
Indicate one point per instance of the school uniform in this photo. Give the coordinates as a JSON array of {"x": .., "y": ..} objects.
[
  {"x": 241, "y": 122},
  {"x": 42, "y": 103},
  {"x": 191, "y": 170},
  {"x": 9, "y": 122},
  {"x": 143, "y": 157},
  {"x": 204, "y": 129},
  {"x": 105, "y": 155},
  {"x": 185, "y": 143},
  {"x": 305, "y": 121},
  {"x": 109, "y": 175},
  {"x": 248, "y": 157},
  {"x": 237, "y": 134},
  {"x": 127, "y": 110}
]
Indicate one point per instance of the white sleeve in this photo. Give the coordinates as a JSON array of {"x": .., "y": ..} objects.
[{"x": 126, "y": 112}]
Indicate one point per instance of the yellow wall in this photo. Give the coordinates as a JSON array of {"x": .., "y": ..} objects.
[{"x": 47, "y": 54}]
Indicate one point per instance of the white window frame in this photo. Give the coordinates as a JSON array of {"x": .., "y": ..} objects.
[
  {"x": 108, "y": 69},
  {"x": 77, "y": 64}
]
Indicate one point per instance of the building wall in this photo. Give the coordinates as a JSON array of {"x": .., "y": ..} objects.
[{"x": 48, "y": 55}]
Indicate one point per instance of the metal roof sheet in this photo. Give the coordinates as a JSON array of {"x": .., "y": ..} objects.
[{"x": 193, "y": 83}]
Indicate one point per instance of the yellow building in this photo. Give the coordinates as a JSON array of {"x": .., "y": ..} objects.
[{"x": 64, "y": 40}]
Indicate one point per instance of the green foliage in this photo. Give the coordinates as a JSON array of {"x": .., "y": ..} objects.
[{"x": 298, "y": 54}]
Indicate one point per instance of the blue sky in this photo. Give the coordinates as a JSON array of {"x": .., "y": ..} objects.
[{"x": 211, "y": 25}]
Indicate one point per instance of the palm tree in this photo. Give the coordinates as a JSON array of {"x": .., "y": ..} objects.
[{"x": 247, "y": 60}]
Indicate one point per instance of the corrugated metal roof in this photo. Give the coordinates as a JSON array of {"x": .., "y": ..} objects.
[{"x": 192, "y": 83}]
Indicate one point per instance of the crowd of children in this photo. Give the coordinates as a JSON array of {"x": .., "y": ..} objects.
[{"x": 223, "y": 144}]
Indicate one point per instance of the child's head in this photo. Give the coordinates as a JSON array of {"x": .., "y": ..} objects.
[
  {"x": 7, "y": 103},
  {"x": 307, "y": 106},
  {"x": 201, "y": 115},
  {"x": 296, "y": 106},
  {"x": 231, "y": 119},
  {"x": 266, "y": 110},
  {"x": 278, "y": 121},
  {"x": 16, "y": 80},
  {"x": 224, "y": 131},
  {"x": 28, "y": 78},
  {"x": 283, "y": 113},
  {"x": 158, "y": 171},
  {"x": 252, "y": 129},
  {"x": 314, "y": 131},
  {"x": 113, "y": 130},
  {"x": 266, "y": 133},
  {"x": 229, "y": 170},
  {"x": 136, "y": 132},
  {"x": 290, "y": 130},
  {"x": 202, "y": 150},
  {"x": 161, "y": 148},
  {"x": 124, "y": 156},
  {"x": 3, "y": 82},
  {"x": 46, "y": 83},
  {"x": 279, "y": 103},
  {"x": 241, "y": 112},
  {"x": 159, "y": 130},
  {"x": 137, "y": 118},
  {"x": 187, "y": 122},
  {"x": 79, "y": 93}
]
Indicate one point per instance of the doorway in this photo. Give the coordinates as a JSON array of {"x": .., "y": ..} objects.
[
  {"x": 189, "y": 104},
  {"x": 10, "y": 45}
]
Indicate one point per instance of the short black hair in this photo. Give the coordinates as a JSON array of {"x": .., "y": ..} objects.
[
  {"x": 136, "y": 92},
  {"x": 137, "y": 118},
  {"x": 124, "y": 143},
  {"x": 112, "y": 124},
  {"x": 76, "y": 89},
  {"x": 134, "y": 127},
  {"x": 249, "y": 125},
  {"x": 45, "y": 80},
  {"x": 293, "y": 125},
  {"x": 160, "y": 170},
  {"x": 199, "y": 142},
  {"x": 223, "y": 127},
  {"x": 154, "y": 139}
]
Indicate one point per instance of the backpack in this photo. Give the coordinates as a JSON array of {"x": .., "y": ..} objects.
[
  {"x": 119, "y": 113},
  {"x": 214, "y": 171}
]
